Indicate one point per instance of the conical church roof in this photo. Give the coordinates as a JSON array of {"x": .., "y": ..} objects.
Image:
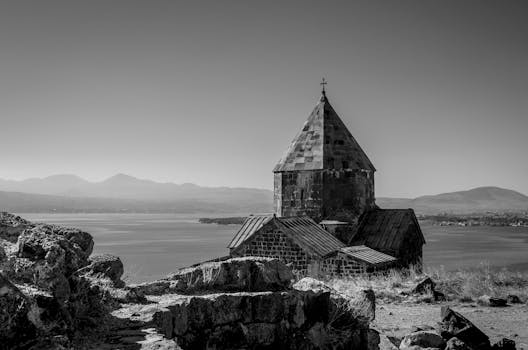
[{"x": 324, "y": 143}]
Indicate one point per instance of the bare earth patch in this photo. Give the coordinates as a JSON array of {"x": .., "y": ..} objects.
[{"x": 395, "y": 319}]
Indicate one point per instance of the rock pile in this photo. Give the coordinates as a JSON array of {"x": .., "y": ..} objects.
[{"x": 454, "y": 332}]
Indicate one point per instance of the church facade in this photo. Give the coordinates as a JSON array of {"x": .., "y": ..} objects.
[{"x": 326, "y": 222}]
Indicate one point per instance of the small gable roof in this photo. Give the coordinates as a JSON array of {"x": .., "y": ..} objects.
[
  {"x": 250, "y": 225},
  {"x": 368, "y": 255},
  {"x": 324, "y": 142},
  {"x": 385, "y": 229},
  {"x": 305, "y": 232}
]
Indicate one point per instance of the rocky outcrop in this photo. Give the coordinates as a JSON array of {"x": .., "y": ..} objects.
[
  {"x": 250, "y": 274},
  {"x": 43, "y": 289}
]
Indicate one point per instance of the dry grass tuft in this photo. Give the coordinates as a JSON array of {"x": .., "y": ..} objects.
[{"x": 462, "y": 285}]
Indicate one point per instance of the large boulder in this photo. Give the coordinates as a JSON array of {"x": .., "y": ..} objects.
[
  {"x": 454, "y": 324},
  {"x": 247, "y": 274}
]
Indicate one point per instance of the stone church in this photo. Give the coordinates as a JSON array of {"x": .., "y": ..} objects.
[{"x": 326, "y": 222}]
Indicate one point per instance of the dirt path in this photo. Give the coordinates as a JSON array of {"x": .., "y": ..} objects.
[{"x": 506, "y": 322}]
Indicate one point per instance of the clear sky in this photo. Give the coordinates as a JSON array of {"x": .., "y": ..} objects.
[{"x": 436, "y": 92}]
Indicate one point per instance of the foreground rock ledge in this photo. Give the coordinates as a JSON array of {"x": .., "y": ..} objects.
[{"x": 263, "y": 320}]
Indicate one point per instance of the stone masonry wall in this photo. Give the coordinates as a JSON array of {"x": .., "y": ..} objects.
[
  {"x": 274, "y": 243},
  {"x": 340, "y": 265},
  {"x": 299, "y": 193},
  {"x": 347, "y": 194},
  {"x": 324, "y": 194}
]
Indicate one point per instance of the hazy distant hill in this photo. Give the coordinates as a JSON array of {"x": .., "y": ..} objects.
[
  {"x": 479, "y": 199},
  {"x": 127, "y": 187},
  {"x": 124, "y": 193},
  {"x": 55, "y": 184}
]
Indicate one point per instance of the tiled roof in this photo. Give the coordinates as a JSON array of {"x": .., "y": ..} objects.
[
  {"x": 309, "y": 235},
  {"x": 324, "y": 143},
  {"x": 251, "y": 225},
  {"x": 305, "y": 232},
  {"x": 386, "y": 229},
  {"x": 368, "y": 255}
]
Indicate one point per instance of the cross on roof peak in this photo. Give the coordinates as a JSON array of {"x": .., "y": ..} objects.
[{"x": 323, "y": 83}]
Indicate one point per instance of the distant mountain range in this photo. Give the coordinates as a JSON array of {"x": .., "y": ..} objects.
[
  {"x": 124, "y": 193},
  {"x": 476, "y": 200},
  {"x": 128, "y": 187}
]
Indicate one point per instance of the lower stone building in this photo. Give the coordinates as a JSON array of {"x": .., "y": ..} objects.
[
  {"x": 395, "y": 232},
  {"x": 306, "y": 246}
]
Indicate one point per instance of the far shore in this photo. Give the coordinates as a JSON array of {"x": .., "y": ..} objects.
[{"x": 237, "y": 220}]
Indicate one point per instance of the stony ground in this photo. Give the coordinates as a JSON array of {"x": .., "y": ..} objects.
[{"x": 397, "y": 319}]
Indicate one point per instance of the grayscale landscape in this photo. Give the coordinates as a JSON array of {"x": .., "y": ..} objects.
[{"x": 263, "y": 175}]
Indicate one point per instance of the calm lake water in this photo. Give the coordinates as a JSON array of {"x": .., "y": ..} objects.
[{"x": 154, "y": 245}]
